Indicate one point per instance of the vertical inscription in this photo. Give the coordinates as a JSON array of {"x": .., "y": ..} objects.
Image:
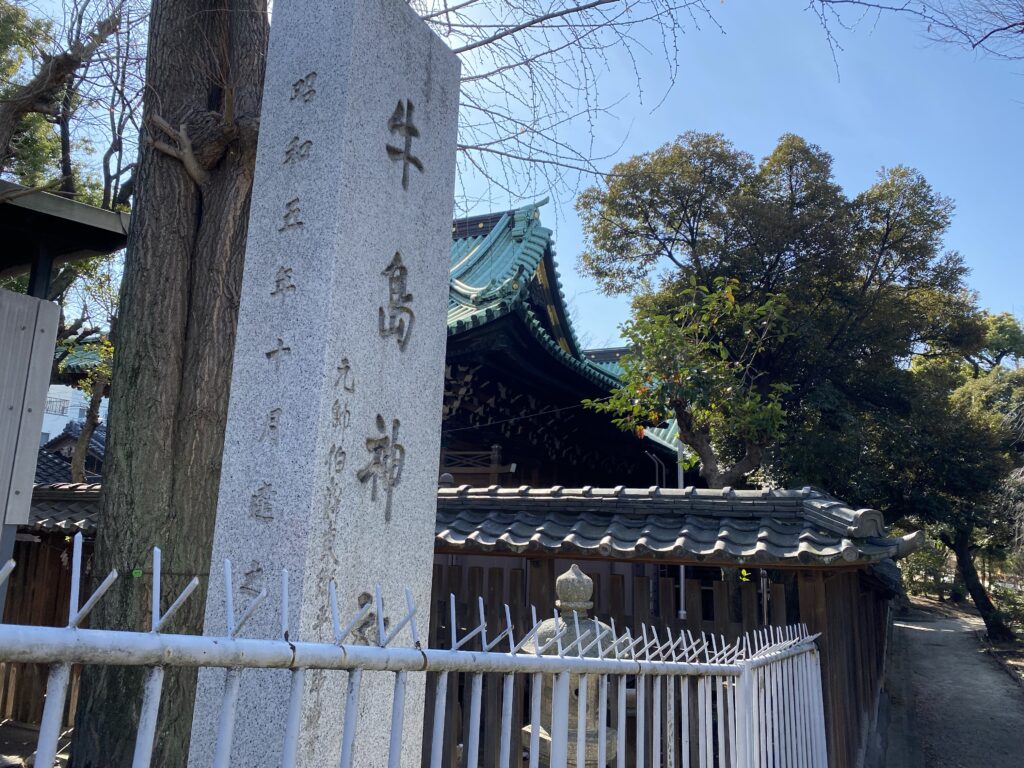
[
  {"x": 384, "y": 469},
  {"x": 397, "y": 318},
  {"x": 273, "y": 423},
  {"x": 292, "y": 216},
  {"x": 297, "y": 150},
  {"x": 261, "y": 503},
  {"x": 252, "y": 579},
  {"x": 346, "y": 379},
  {"x": 278, "y": 353},
  {"x": 400, "y": 123},
  {"x": 283, "y": 284},
  {"x": 303, "y": 90},
  {"x": 337, "y": 456}
]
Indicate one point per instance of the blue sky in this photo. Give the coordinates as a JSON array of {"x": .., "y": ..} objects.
[{"x": 896, "y": 99}]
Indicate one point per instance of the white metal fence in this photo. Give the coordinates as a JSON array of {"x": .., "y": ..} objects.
[{"x": 663, "y": 701}]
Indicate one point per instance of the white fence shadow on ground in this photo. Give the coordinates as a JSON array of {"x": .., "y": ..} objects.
[{"x": 694, "y": 700}]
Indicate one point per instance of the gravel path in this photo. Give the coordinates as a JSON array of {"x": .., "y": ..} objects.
[{"x": 961, "y": 708}]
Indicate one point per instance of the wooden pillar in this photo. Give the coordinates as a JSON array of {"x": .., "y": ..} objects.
[
  {"x": 495, "y": 463},
  {"x": 814, "y": 613}
]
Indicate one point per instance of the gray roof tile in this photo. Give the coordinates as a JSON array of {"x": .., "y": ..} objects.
[
  {"x": 744, "y": 527},
  {"x": 765, "y": 526}
]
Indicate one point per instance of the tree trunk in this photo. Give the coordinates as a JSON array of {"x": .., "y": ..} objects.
[
  {"x": 711, "y": 470},
  {"x": 175, "y": 340},
  {"x": 998, "y": 631},
  {"x": 92, "y": 420},
  {"x": 67, "y": 171}
]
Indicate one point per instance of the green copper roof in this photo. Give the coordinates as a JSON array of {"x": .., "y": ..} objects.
[
  {"x": 503, "y": 263},
  {"x": 665, "y": 434}
]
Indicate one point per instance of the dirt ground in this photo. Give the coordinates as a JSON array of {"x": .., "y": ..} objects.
[{"x": 953, "y": 705}]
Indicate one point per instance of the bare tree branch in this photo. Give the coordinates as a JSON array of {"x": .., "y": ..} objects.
[
  {"x": 43, "y": 91},
  {"x": 993, "y": 26}
]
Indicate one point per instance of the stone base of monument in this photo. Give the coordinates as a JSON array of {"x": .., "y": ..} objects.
[{"x": 590, "y": 750}]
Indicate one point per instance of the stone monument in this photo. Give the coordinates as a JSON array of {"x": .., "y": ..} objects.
[{"x": 332, "y": 442}]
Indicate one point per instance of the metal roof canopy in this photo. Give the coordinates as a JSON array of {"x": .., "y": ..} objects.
[{"x": 41, "y": 230}]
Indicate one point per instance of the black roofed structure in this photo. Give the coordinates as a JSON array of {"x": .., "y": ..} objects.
[
  {"x": 516, "y": 374},
  {"x": 43, "y": 230},
  {"x": 65, "y": 508},
  {"x": 721, "y": 561},
  {"x": 63, "y": 446}
]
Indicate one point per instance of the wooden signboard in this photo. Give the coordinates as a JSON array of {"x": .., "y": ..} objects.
[{"x": 28, "y": 332}]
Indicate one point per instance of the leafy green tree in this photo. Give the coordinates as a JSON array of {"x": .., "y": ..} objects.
[
  {"x": 33, "y": 150},
  {"x": 874, "y": 375},
  {"x": 69, "y": 87},
  {"x": 1003, "y": 342},
  {"x": 864, "y": 280},
  {"x": 957, "y": 448},
  {"x": 697, "y": 365}
]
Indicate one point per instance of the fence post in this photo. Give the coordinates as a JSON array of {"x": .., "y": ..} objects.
[{"x": 745, "y": 717}]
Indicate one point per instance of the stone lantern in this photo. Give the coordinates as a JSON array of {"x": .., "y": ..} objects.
[{"x": 574, "y": 590}]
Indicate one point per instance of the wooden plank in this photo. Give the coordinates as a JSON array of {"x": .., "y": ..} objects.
[
  {"x": 641, "y": 602},
  {"x": 617, "y": 597},
  {"x": 811, "y": 594},
  {"x": 778, "y": 605},
  {"x": 721, "y": 603},
  {"x": 26, "y": 347},
  {"x": 453, "y": 710},
  {"x": 694, "y": 605},
  {"x": 748, "y": 606},
  {"x": 521, "y": 622},
  {"x": 541, "y": 584},
  {"x": 667, "y": 601}
]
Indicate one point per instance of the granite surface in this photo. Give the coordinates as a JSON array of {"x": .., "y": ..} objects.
[{"x": 332, "y": 444}]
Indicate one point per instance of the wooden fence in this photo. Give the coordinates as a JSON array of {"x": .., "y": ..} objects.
[
  {"x": 846, "y": 606},
  {"x": 38, "y": 593},
  {"x": 724, "y": 608}
]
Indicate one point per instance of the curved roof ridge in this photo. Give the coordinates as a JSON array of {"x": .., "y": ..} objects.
[
  {"x": 485, "y": 248},
  {"x": 586, "y": 367}
]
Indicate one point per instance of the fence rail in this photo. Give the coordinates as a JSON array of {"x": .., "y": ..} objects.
[{"x": 588, "y": 693}]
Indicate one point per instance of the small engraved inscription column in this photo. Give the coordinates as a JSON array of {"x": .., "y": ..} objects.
[{"x": 332, "y": 441}]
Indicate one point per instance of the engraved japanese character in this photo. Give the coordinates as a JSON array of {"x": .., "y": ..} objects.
[
  {"x": 336, "y": 459},
  {"x": 273, "y": 422},
  {"x": 252, "y": 581},
  {"x": 341, "y": 416},
  {"x": 297, "y": 150},
  {"x": 346, "y": 378},
  {"x": 292, "y": 214},
  {"x": 401, "y": 124},
  {"x": 387, "y": 457},
  {"x": 398, "y": 318},
  {"x": 261, "y": 503},
  {"x": 303, "y": 90},
  {"x": 283, "y": 284},
  {"x": 279, "y": 352}
]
